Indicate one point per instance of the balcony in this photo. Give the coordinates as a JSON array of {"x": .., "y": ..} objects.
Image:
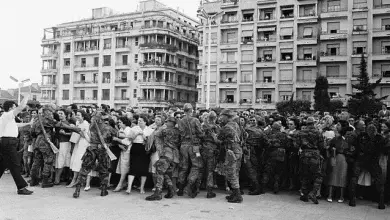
[
  {"x": 122, "y": 82},
  {"x": 122, "y": 100},
  {"x": 334, "y": 12},
  {"x": 158, "y": 45},
  {"x": 83, "y": 100},
  {"x": 339, "y": 35},
  {"x": 266, "y": 41},
  {"x": 156, "y": 82},
  {"x": 337, "y": 79},
  {"x": 49, "y": 70},
  {"x": 229, "y": 21},
  {"x": 158, "y": 102},
  {"x": 86, "y": 51},
  {"x": 265, "y": 84},
  {"x": 50, "y": 54},
  {"x": 384, "y": 31},
  {"x": 309, "y": 61},
  {"x": 308, "y": 16},
  {"x": 229, "y": 3},
  {"x": 265, "y": 1},
  {"x": 121, "y": 65},
  {"x": 359, "y": 29},
  {"x": 153, "y": 29},
  {"x": 49, "y": 85},
  {"x": 84, "y": 83},
  {"x": 305, "y": 83},
  {"x": 307, "y": 40},
  {"x": 360, "y": 7},
  {"x": 122, "y": 47},
  {"x": 384, "y": 55},
  {"x": 266, "y": 62},
  {"x": 229, "y": 42},
  {"x": 333, "y": 57},
  {"x": 85, "y": 67},
  {"x": 381, "y": 9}
]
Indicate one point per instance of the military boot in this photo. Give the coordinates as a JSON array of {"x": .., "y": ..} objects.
[
  {"x": 170, "y": 193},
  {"x": 313, "y": 198},
  {"x": 104, "y": 191},
  {"x": 210, "y": 193},
  {"x": 229, "y": 196},
  {"x": 381, "y": 204},
  {"x": 156, "y": 196},
  {"x": 304, "y": 198},
  {"x": 276, "y": 187},
  {"x": 34, "y": 182},
  {"x": 180, "y": 186},
  {"x": 256, "y": 191},
  {"x": 352, "y": 201},
  {"x": 192, "y": 190},
  {"x": 46, "y": 183},
  {"x": 76, "y": 193},
  {"x": 236, "y": 198}
]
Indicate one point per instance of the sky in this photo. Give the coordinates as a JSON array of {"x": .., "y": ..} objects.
[{"x": 23, "y": 22}]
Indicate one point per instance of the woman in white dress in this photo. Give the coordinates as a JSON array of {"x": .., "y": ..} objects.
[
  {"x": 79, "y": 149},
  {"x": 125, "y": 144}
]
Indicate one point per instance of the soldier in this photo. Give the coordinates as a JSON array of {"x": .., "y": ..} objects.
[
  {"x": 43, "y": 154},
  {"x": 229, "y": 140},
  {"x": 101, "y": 134},
  {"x": 311, "y": 142},
  {"x": 253, "y": 150},
  {"x": 208, "y": 151},
  {"x": 169, "y": 158},
  {"x": 191, "y": 136},
  {"x": 275, "y": 153}
]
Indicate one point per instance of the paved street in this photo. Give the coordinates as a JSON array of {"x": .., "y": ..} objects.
[{"x": 57, "y": 203}]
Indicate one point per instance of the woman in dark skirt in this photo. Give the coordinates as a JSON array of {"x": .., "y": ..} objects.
[{"x": 139, "y": 158}]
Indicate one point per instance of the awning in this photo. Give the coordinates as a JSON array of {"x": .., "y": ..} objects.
[
  {"x": 266, "y": 29},
  {"x": 267, "y": 74},
  {"x": 286, "y": 50},
  {"x": 247, "y": 34},
  {"x": 307, "y": 32},
  {"x": 286, "y": 31}
]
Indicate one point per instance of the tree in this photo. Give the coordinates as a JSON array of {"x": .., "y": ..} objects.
[
  {"x": 321, "y": 95},
  {"x": 364, "y": 101},
  {"x": 297, "y": 106}
]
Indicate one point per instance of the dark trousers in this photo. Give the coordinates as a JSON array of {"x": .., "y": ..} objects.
[{"x": 10, "y": 159}]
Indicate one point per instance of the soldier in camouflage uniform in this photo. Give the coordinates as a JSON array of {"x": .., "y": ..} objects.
[
  {"x": 191, "y": 136},
  {"x": 275, "y": 153},
  {"x": 43, "y": 154},
  {"x": 229, "y": 140},
  {"x": 368, "y": 146},
  {"x": 311, "y": 142},
  {"x": 96, "y": 151},
  {"x": 208, "y": 152},
  {"x": 169, "y": 158},
  {"x": 253, "y": 149}
]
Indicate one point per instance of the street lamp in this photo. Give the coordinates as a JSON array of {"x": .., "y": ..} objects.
[
  {"x": 202, "y": 14},
  {"x": 20, "y": 85}
]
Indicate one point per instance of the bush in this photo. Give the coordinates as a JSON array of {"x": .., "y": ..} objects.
[
  {"x": 335, "y": 105},
  {"x": 296, "y": 106},
  {"x": 365, "y": 106}
]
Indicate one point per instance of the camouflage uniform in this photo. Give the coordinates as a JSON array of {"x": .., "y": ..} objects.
[
  {"x": 96, "y": 151},
  {"x": 366, "y": 157},
  {"x": 275, "y": 157},
  {"x": 191, "y": 135},
  {"x": 253, "y": 155},
  {"x": 43, "y": 154},
  {"x": 311, "y": 142}
]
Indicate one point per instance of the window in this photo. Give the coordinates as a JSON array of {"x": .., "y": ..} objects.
[
  {"x": 360, "y": 24},
  {"x": 107, "y": 43},
  {"x": 359, "y": 47},
  {"x": 287, "y": 11},
  {"x": 246, "y": 76},
  {"x": 267, "y": 76},
  {"x": 107, "y": 60},
  {"x": 247, "y": 56},
  {"x": 267, "y": 97},
  {"x": 247, "y": 36},
  {"x": 135, "y": 93},
  {"x": 229, "y": 57},
  {"x": 135, "y": 58},
  {"x": 135, "y": 76},
  {"x": 286, "y": 33},
  {"x": 332, "y": 71},
  {"x": 267, "y": 55},
  {"x": 96, "y": 61},
  {"x": 286, "y": 54},
  {"x": 66, "y": 79},
  {"x": 305, "y": 76},
  {"x": 232, "y": 37},
  {"x": 286, "y": 75},
  {"x": 65, "y": 94},
  {"x": 67, "y": 62},
  {"x": 355, "y": 70},
  {"x": 67, "y": 48},
  {"x": 124, "y": 59},
  {"x": 306, "y": 95},
  {"x": 247, "y": 16},
  {"x": 95, "y": 78},
  {"x": 82, "y": 78},
  {"x": 385, "y": 70},
  {"x": 285, "y": 96},
  {"x": 136, "y": 41},
  {"x": 308, "y": 32},
  {"x": 333, "y": 27},
  {"x": 94, "y": 94},
  {"x": 229, "y": 97},
  {"x": 333, "y": 49},
  {"x": 228, "y": 77},
  {"x": 106, "y": 77},
  {"x": 35, "y": 97},
  {"x": 124, "y": 94},
  {"x": 334, "y": 5},
  {"x": 386, "y": 24},
  {"x": 268, "y": 14},
  {"x": 82, "y": 94},
  {"x": 307, "y": 54},
  {"x": 308, "y": 10},
  {"x": 106, "y": 94},
  {"x": 83, "y": 62}
]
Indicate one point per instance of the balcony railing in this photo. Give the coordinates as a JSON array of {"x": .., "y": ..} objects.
[
  {"x": 243, "y": 102},
  {"x": 383, "y": 28},
  {"x": 249, "y": 19},
  {"x": 360, "y": 6},
  {"x": 307, "y": 58},
  {"x": 122, "y": 64},
  {"x": 381, "y": 6},
  {"x": 272, "y": 18},
  {"x": 306, "y": 80},
  {"x": 229, "y": 21},
  {"x": 85, "y": 66},
  {"x": 338, "y": 32},
  {"x": 157, "y": 63},
  {"x": 311, "y": 14},
  {"x": 123, "y": 80},
  {"x": 328, "y": 54},
  {"x": 83, "y": 82},
  {"x": 153, "y": 99},
  {"x": 265, "y": 59},
  {"x": 95, "y": 48},
  {"x": 84, "y": 98},
  {"x": 121, "y": 98},
  {"x": 229, "y": 42},
  {"x": 229, "y": 2},
  {"x": 337, "y": 76},
  {"x": 123, "y": 46},
  {"x": 51, "y": 53},
  {"x": 334, "y": 9},
  {"x": 228, "y": 81},
  {"x": 265, "y": 39},
  {"x": 265, "y": 81},
  {"x": 159, "y": 45}
]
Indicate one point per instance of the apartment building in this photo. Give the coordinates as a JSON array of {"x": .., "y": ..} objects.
[
  {"x": 145, "y": 58},
  {"x": 265, "y": 51}
]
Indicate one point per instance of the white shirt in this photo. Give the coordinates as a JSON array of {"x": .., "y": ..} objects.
[
  {"x": 139, "y": 138},
  {"x": 8, "y": 127}
]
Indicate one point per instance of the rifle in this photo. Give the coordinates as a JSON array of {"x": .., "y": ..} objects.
[
  {"x": 109, "y": 152},
  {"x": 53, "y": 147}
]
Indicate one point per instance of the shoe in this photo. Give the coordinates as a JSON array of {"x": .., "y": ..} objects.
[
  {"x": 180, "y": 191},
  {"x": 255, "y": 192},
  {"x": 229, "y": 197},
  {"x": 313, "y": 199},
  {"x": 33, "y": 182},
  {"x": 46, "y": 183},
  {"x": 352, "y": 202},
  {"x": 71, "y": 185},
  {"x": 210, "y": 193},
  {"x": 329, "y": 200},
  {"x": 276, "y": 187},
  {"x": 104, "y": 191},
  {"x": 117, "y": 189},
  {"x": 304, "y": 198},
  {"x": 87, "y": 188},
  {"x": 155, "y": 197},
  {"x": 76, "y": 193},
  {"x": 236, "y": 198},
  {"x": 170, "y": 193},
  {"x": 24, "y": 191},
  {"x": 154, "y": 189},
  {"x": 340, "y": 201}
]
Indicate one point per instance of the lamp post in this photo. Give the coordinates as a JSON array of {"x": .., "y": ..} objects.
[
  {"x": 202, "y": 14},
  {"x": 20, "y": 85}
]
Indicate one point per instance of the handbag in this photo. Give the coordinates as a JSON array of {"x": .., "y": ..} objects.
[
  {"x": 75, "y": 138},
  {"x": 364, "y": 178}
]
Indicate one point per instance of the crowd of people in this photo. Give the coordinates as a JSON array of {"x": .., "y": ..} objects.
[{"x": 184, "y": 150}]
